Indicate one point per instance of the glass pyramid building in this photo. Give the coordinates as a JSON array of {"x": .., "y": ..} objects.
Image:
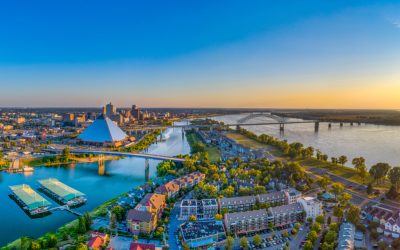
[{"x": 102, "y": 130}]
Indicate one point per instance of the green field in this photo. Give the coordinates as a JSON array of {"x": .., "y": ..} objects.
[
  {"x": 250, "y": 143},
  {"x": 213, "y": 152}
]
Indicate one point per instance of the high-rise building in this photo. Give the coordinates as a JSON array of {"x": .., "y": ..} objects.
[
  {"x": 109, "y": 109},
  {"x": 136, "y": 112}
]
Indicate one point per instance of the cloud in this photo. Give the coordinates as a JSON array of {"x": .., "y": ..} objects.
[{"x": 397, "y": 24}]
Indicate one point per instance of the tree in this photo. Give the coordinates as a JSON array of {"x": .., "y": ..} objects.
[
  {"x": 329, "y": 221},
  {"x": 113, "y": 221},
  {"x": 308, "y": 245},
  {"x": 358, "y": 162},
  {"x": 87, "y": 220},
  {"x": 383, "y": 245},
  {"x": 229, "y": 243},
  {"x": 316, "y": 227},
  {"x": 81, "y": 225},
  {"x": 353, "y": 214},
  {"x": 297, "y": 225},
  {"x": 342, "y": 159},
  {"x": 285, "y": 233},
  {"x": 396, "y": 243},
  {"x": 344, "y": 199},
  {"x": 363, "y": 173},
  {"x": 320, "y": 219},
  {"x": 338, "y": 211},
  {"x": 370, "y": 189},
  {"x": 244, "y": 242},
  {"x": 324, "y": 181},
  {"x": 192, "y": 218},
  {"x": 229, "y": 191},
  {"x": 312, "y": 236},
  {"x": 218, "y": 217},
  {"x": 394, "y": 177},
  {"x": 337, "y": 188},
  {"x": 330, "y": 236},
  {"x": 66, "y": 154},
  {"x": 25, "y": 242},
  {"x": 35, "y": 245},
  {"x": 257, "y": 240},
  {"x": 327, "y": 246},
  {"x": 379, "y": 171}
]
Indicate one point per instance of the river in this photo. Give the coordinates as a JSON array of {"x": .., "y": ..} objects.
[
  {"x": 376, "y": 143},
  {"x": 120, "y": 176}
]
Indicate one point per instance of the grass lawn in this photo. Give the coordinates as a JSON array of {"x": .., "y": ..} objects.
[
  {"x": 251, "y": 143},
  {"x": 213, "y": 152}
]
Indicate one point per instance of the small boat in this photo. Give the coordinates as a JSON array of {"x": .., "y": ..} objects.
[{"x": 28, "y": 169}]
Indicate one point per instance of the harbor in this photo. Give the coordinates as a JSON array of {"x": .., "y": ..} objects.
[
  {"x": 62, "y": 193},
  {"x": 29, "y": 200}
]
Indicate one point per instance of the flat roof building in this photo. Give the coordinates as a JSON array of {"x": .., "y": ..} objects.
[
  {"x": 29, "y": 199},
  {"x": 61, "y": 192}
]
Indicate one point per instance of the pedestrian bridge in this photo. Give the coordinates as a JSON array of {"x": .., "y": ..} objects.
[{"x": 117, "y": 153}]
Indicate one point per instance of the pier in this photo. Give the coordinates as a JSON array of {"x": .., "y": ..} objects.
[
  {"x": 29, "y": 200},
  {"x": 65, "y": 208},
  {"x": 62, "y": 193}
]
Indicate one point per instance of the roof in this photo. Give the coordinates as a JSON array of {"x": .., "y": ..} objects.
[
  {"x": 286, "y": 209},
  {"x": 154, "y": 200},
  {"x": 201, "y": 229},
  {"x": 142, "y": 246},
  {"x": 237, "y": 200},
  {"x": 103, "y": 130},
  {"x": 248, "y": 215},
  {"x": 29, "y": 196},
  {"x": 95, "y": 242},
  {"x": 65, "y": 192},
  {"x": 139, "y": 215}
]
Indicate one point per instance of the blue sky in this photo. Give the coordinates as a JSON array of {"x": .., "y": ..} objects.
[{"x": 302, "y": 54}]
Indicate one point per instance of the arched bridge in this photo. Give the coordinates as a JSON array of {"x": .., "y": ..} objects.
[
  {"x": 117, "y": 153},
  {"x": 257, "y": 115}
]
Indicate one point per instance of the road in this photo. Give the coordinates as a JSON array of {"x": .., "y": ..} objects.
[{"x": 301, "y": 235}]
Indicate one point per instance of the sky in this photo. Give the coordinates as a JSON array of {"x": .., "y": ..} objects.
[{"x": 205, "y": 53}]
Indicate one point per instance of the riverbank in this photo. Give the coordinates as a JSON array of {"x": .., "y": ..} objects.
[
  {"x": 197, "y": 145},
  {"x": 58, "y": 160}
]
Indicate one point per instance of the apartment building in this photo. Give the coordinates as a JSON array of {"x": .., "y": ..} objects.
[
  {"x": 237, "y": 204},
  {"x": 202, "y": 209},
  {"x": 245, "y": 222},
  {"x": 286, "y": 214},
  {"x": 312, "y": 207}
]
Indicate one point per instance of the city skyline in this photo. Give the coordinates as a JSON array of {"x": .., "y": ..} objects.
[{"x": 343, "y": 54}]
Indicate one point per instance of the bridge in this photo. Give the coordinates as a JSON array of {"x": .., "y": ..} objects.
[
  {"x": 117, "y": 153},
  {"x": 66, "y": 208}
]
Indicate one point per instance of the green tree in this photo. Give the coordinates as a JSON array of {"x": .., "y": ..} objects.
[
  {"x": 320, "y": 219},
  {"x": 330, "y": 237},
  {"x": 379, "y": 171},
  {"x": 244, "y": 242},
  {"x": 113, "y": 221},
  {"x": 308, "y": 245},
  {"x": 342, "y": 159},
  {"x": 229, "y": 243},
  {"x": 353, "y": 214},
  {"x": 370, "y": 189},
  {"x": 81, "y": 246},
  {"x": 344, "y": 199},
  {"x": 257, "y": 240},
  {"x": 35, "y": 245},
  {"x": 25, "y": 242},
  {"x": 396, "y": 243},
  {"x": 358, "y": 162},
  {"x": 317, "y": 227},
  {"x": 394, "y": 177},
  {"x": 88, "y": 221},
  {"x": 337, "y": 188},
  {"x": 66, "y": 154},
  {"x": 312, "y": 236},
  {"x": 338, "y": 211},
  {"x": 324, "y": 181},
  {"x": 119, "y": 212}
]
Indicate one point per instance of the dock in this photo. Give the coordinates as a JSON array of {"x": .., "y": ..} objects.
[
  {"x": 65, "y": 208},
  {"x": 62, "y": 193},
  {"x": 29, "y": 200}
]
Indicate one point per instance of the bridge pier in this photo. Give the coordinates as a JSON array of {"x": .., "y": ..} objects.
[
  {"x": 101, "y": 166},
  {"x": 351, "y": 123},
  {"x": 282, "y": 127},
  {"x": 341, "y": 124},
  {"x": 330, "y": 125},
  {"x": 147, "y": 169},
  {"x": 316, "y": 127}
]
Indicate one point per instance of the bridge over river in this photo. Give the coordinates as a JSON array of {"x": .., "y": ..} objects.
[{"x": 117, "y": 153}]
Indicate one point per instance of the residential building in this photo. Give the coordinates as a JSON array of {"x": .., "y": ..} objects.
[
  {"x": 201, "y": 234},
  {"x": 292, "y": 195},
  {"x": 142, "y": 246},
  {"x": 245, "y": 222},
  {"x": 286, "y": 214},
  {"x": 169, "y": 189},
  {"x": 202, "y": 209},
  {"x": 190, "y": 180},
  {"x": 312, "y": 207},
  {"x": 346, "y": 236},
  {"x": 273, "y": 198},
  {"x": 388, "y": 219},
  {"x": 143, "y": 218},
  {"x": 237, "y": 204}
]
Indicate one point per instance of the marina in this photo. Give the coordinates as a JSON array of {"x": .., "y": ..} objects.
[
  {"x": 62, "y": 193},
  {"x": 29, "y": 200}
]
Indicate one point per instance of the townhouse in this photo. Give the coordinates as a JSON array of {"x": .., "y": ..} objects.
[
  {"x": 388, "y": 219},
  {"x": 169, "y": 189},
  {"x": 190, "y": 180},
  {"x": 346, "y": 236}
]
